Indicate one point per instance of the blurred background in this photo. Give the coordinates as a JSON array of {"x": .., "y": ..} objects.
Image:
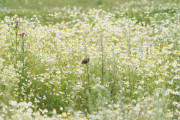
[{"x": 132, "y": 8}]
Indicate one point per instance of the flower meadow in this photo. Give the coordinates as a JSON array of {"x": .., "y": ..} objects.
[{"x": 133, "y": 72}]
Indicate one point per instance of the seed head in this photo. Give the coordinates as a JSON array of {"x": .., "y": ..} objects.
[{"x": 85, "y": 61}]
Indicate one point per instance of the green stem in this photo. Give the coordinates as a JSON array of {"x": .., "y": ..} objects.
[
  {"x": 88, "y": 77},
  {"x": 16, "y": 45},
  {"x": 102, "y": 60},
  {"x": 23, "y": 56},
  {"x": 129, "y": 53}
]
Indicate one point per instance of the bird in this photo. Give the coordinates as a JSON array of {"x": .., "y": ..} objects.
[{"x": 85, "y": 61}]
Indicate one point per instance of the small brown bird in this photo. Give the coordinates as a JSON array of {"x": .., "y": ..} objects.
[{"x": 85, "y": 61}]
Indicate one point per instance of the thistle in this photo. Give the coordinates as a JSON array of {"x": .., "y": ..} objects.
[
  {"x": 16, "y": 32},
  {"x": 85, "y": 61},
  {"x": 22, "y": 34}
]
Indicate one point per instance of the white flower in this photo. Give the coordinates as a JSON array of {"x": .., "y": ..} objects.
[{"x": 13, "y": 103}]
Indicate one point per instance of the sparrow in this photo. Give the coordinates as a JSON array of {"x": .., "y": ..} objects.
[{"x": 85, "y": 61}]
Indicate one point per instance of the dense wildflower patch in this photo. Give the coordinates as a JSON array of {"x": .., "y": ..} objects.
[{"x": 133, "y": 71}]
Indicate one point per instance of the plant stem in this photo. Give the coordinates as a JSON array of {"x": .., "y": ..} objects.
[
  {"x": 16, "y": 32},
  {"x": 23, "y": 56},
  {"x": 113, "y": 82},
  {"x": 129, "y": 53},
  {"x": 102, "y": 58},
  {"x": 88, "y": 77}
]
